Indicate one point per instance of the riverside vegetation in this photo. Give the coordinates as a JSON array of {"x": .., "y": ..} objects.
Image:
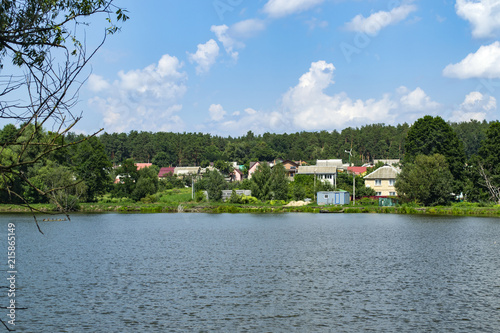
[{"x": 179, "y": 200}]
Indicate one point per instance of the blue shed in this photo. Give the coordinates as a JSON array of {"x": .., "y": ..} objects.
[{"x": 333, "y": 198}]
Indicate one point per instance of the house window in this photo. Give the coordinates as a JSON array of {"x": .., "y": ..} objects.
[
  {"x": 326, "y": 196},
  {"x": 379, "y": 194},
  {"x": 392, "y": 194},
  {"x": 378, "y": 182},
  {"x": 391, "y": 182}
]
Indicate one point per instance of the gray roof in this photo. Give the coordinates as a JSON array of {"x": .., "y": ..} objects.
[
  {"x": 385, "y": 172},
  {"x": 209, "y": 168},
  {"x": 387, "y": 161},
  {"x": 329, "y": 163},
  {"x": 314, "y": 169},
  {"x": 186, "y": 170}
]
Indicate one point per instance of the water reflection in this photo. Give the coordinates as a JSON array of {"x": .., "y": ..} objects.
[{"x": 276, "y": 273}]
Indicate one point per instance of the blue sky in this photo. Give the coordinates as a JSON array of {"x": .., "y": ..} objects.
[{"x": 228, "y": 66}]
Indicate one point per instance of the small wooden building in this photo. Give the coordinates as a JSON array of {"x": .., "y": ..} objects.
[{"x": 333, "y": 198}]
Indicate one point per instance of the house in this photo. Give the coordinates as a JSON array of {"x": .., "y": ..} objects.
[
  {"x": 357, "y": 170},
  {"x": 291, "y": 168},
  {"x": 164, "y": 172},
  {"x": 236, "y": 175},
  {"x": 383, "y": 180},
  {"x": 333, "y": 198},
  {"x": 253, "y": 168},
  {"x": 185, "y": 171},
  {"x": 323, "y": 173}
]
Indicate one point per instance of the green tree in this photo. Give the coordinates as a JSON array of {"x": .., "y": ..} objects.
[
  {"x": 432, "y": 135},
  {"x": 45, "y": 42},
  {"x": 147, "y": 183},
  {"x": 345, "y": 182},
  {"x": 261, "y": 182},
  {"x": 224, "y": 167},
  {"x": 428, "y": 181},
  {"x": 93, "y": 166},
  {"x": 214, "y": 185},
  {"x": 58, "y": 182},
  {"x": 129, "y": 175},
  {"x": 162, "y": 159},
  {"x": 279, "y": 182},
  {"x": 471, "y": 133},
  {"x": 489, "y": 161}
]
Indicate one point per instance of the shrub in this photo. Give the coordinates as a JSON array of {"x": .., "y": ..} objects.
[
  {"x": 234, "y": 198},
  {"x": 199, "y": 196},
  {"x": 367, "y": 202},
  {"x": 246, "y": 199},
  {"x": 149, "y": 199}
]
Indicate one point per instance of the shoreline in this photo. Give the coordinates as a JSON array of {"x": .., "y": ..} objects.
[{"x": 219, "y": 208}]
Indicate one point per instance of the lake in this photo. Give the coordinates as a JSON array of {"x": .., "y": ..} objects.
[{"x": 255, "y": 273}]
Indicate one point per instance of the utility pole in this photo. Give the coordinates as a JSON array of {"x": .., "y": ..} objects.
[
  {"x": 353, "y": 188},
  {"x": 314, "y": 185},
  {"x": 353, "y": 177}
]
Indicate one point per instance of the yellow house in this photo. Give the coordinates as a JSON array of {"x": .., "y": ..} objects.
[{"x": 383, "y": 180}]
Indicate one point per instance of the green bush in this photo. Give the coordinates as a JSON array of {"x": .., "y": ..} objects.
[
  {"x": 367, "y": 202},
  {"x": 149, "y": 199},
  {"x": 247, "y": 199},
  {"x": 234, "y": 198},
  {"x": 199, "y": 196}
]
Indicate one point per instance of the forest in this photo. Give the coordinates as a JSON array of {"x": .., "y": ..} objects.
[{"x": 377, "y": 141}]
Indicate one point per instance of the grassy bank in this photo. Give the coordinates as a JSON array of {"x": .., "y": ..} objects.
[
  {"x": 179, "y": 200},
  {"x": 193, "y": 207}
]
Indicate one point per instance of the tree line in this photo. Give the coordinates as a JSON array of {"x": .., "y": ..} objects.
[
  {"x": 376, "y": 141},
  {"x": 454, "y": 158}
]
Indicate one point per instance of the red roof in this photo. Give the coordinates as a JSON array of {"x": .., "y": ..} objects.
[
  {"x": 143, "y": 165},
  {"x": 357, "y": 170},
  {"x": 163, "y": 171}
]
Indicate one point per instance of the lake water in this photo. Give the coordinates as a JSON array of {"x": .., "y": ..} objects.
[{"x": 255, "y": 273}]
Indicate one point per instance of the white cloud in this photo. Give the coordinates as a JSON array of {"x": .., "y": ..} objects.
[
  {"x": 417, "y": 100},
  {"x": 280, "y": 8},
  {"x": 231, "y": 37},
  {"x": 315, "y": 23},
  {"x": 217, "y": 112},
  {"x": 485, "y": 63},
  {"x": 142, "y": 99},
  {"x": 205, "y": 56},
  {"x": 484, "y": 16},
  {"x": 374, "y": 23},
  {"x": 310, "y": 108},
  {"x": 307, "y": 106},
  {"x": 476, "y": 106},
  {"x": 97, "y": 83},
  {"x": 229, "y": 43},
  {"x": 250, "y": 111},
  {"x": 247, "y": 28}
]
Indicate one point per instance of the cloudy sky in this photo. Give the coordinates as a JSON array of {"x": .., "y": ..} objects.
[{"x": 228, "y": 66}]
